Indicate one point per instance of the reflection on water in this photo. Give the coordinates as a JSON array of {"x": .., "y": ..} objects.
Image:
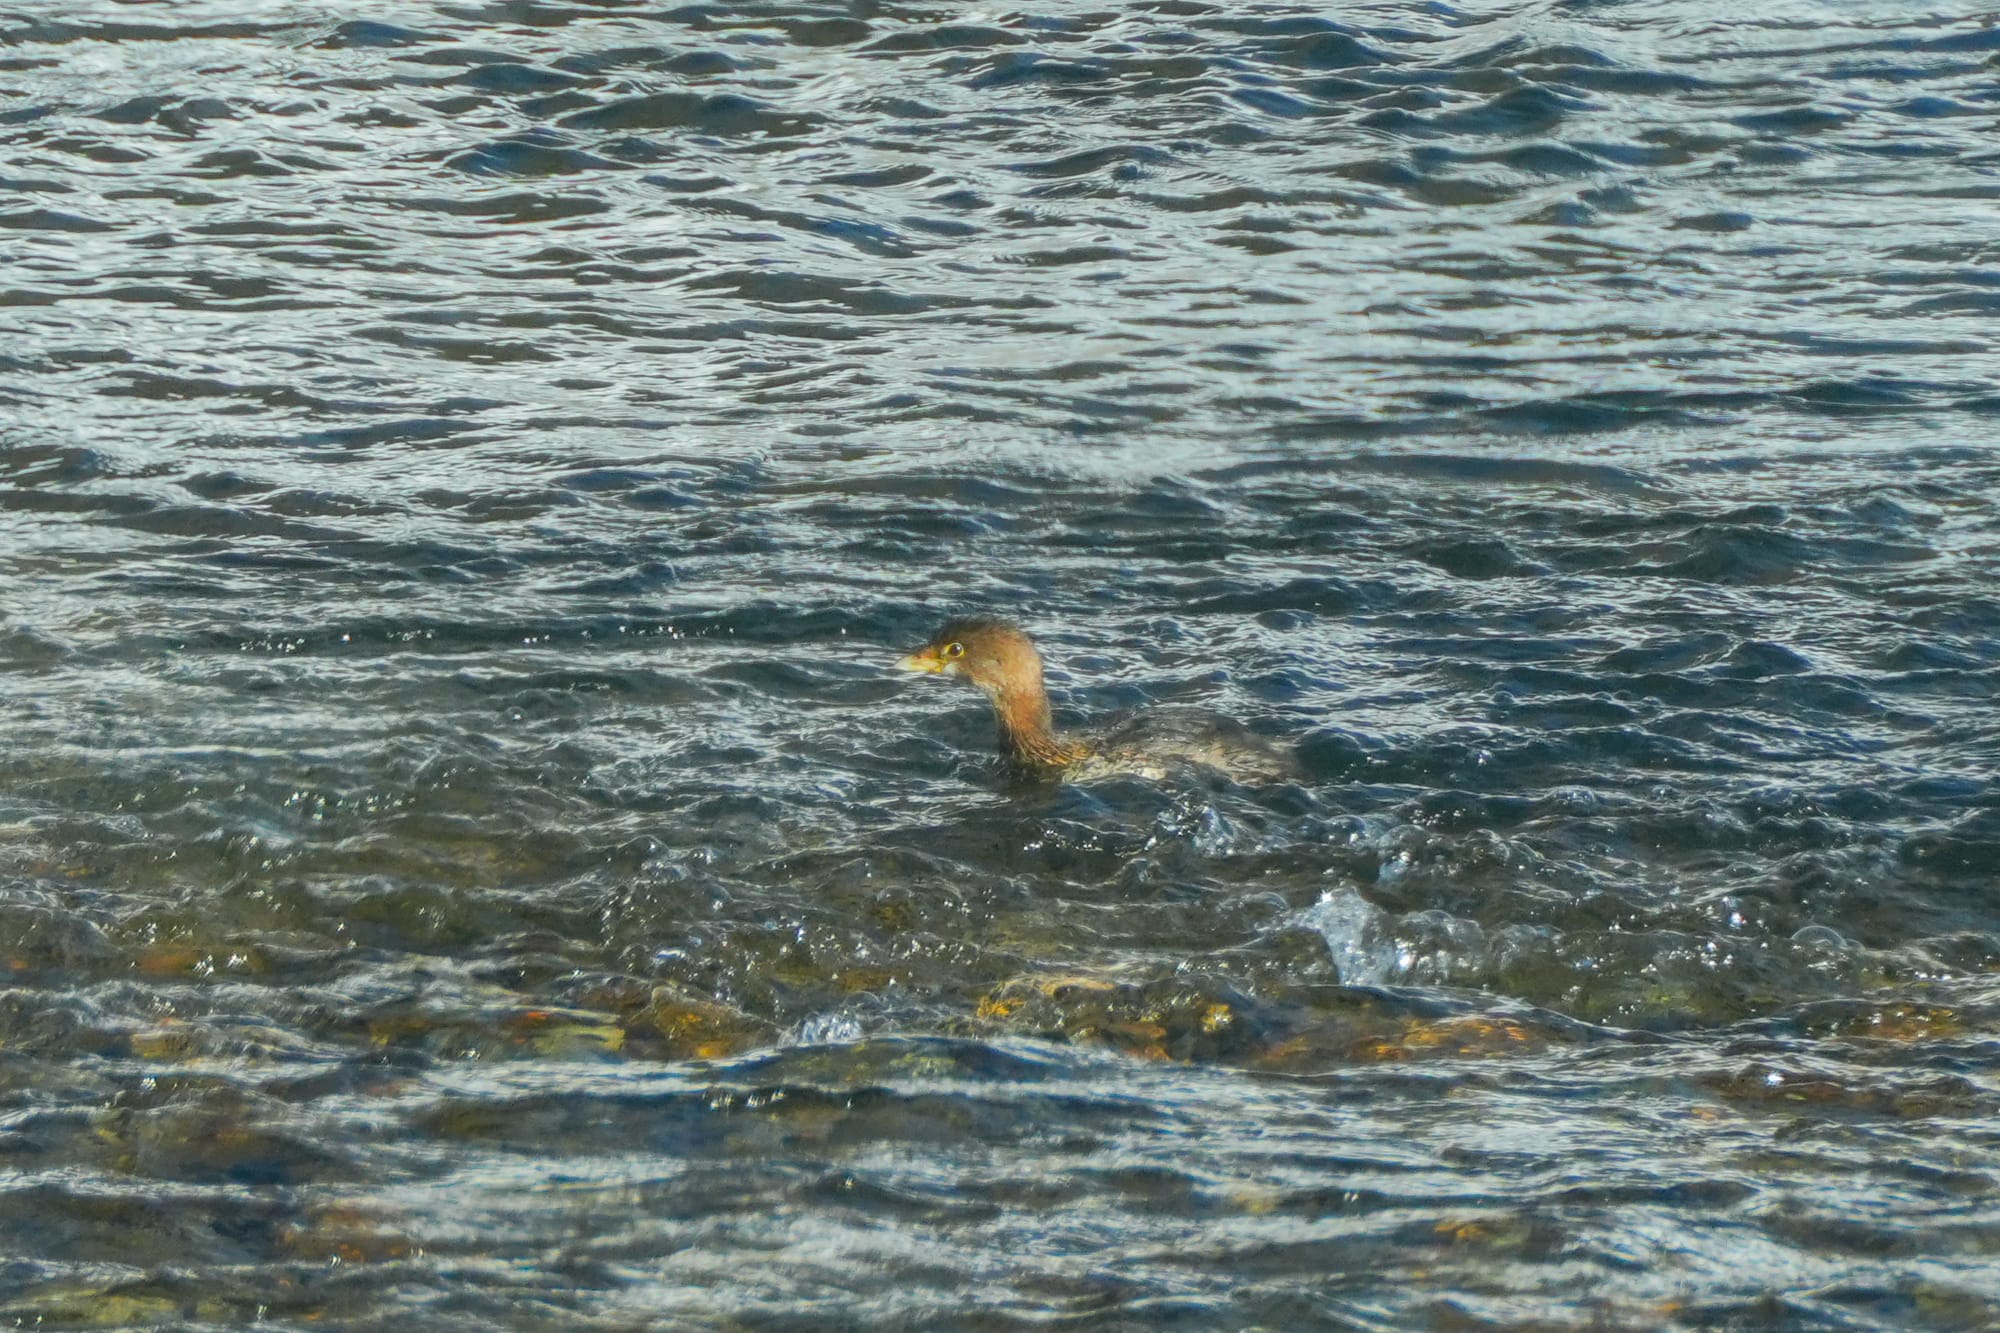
[{"x": 464, "y": 858}]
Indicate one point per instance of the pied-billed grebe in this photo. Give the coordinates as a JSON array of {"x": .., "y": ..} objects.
[{"x": 1002, "y": 662}]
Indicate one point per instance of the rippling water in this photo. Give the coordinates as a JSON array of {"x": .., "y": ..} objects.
[{"x": 465, "y": 862}]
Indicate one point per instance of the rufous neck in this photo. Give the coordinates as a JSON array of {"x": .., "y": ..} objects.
[{"x": 1027, "y": 731}]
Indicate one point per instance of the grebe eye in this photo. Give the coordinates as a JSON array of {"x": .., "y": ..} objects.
[{"x": 954, "y": 650}]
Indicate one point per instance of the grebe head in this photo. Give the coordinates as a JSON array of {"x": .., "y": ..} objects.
[{"x": 992, "y": 654}]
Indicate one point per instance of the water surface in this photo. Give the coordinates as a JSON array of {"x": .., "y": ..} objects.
[{"x": 466, "y": 468}]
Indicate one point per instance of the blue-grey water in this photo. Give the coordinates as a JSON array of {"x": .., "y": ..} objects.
[{"x": 466, "y": 469}]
